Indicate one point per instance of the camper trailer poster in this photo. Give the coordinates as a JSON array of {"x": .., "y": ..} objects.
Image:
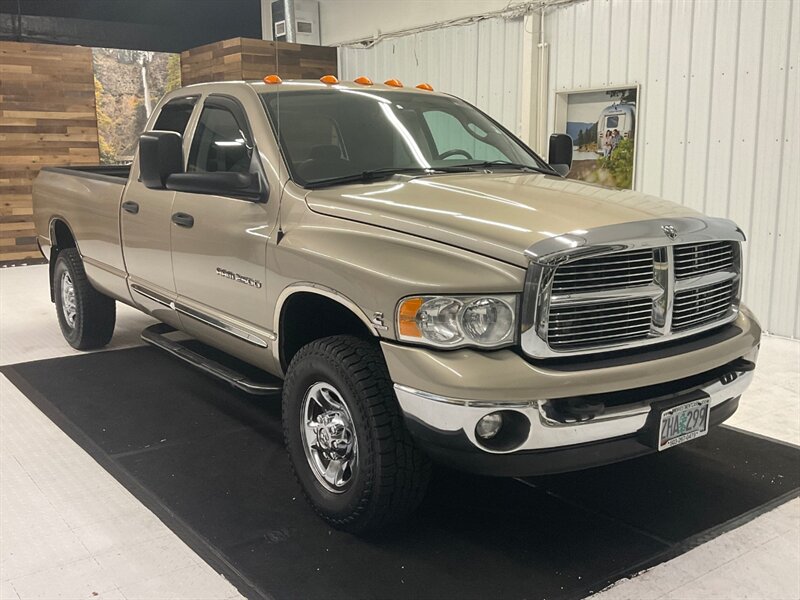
[{"x": 602, "y": 125}]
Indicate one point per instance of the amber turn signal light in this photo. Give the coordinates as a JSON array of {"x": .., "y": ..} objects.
[
  {"x": 363, "y": 80},
  {"x": 393, "y": 83},
  {"x": 272, "y": 79},
  {"x": 329, "y": 79},
  {"x": 407, "y": 317},
  {"x": 425, "y": 86}
]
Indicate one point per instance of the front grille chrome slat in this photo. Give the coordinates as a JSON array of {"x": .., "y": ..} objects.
[
  {"x": 620, "y": 271},
  {"x": 692, "y": 311},
  {"x": 601, "y": 314},
  {"x": 620, "y": 299},
  {"x": 582, "y": 321},
  {"x": 604, "y": 321},
  {"x": 708, "y": 266},
  {"x": 687, "y": 303},
  {"x": 702, "y": 305},
  {"x": 696, "y": 259},
  {"x": 700, "y": 320},
  {"x": 580, "y": 330}
]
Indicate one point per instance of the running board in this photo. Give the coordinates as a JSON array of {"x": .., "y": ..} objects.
[{"x": 157, "y": 336}]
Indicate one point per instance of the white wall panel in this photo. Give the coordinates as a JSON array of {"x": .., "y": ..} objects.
[
  {"x": 719, "y": 127},
  {"x": 481, "y": 63}
]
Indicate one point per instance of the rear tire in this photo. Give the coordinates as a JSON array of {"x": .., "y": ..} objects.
[
  {"x": 86, "y": 316},
  {"x": 340, "y": 384}
]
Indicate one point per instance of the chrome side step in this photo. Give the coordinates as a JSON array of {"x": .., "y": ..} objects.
[{"x": 157, "y": 336}]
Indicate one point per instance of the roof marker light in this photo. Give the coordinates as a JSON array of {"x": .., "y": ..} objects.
[
  {"x": 329, "y": 79},
  {"x": 363, "y": 80},
  {"x": 272, "y": 79},
  {"x": 393, "y": 83},
  {"x": 425, "y": 86}
]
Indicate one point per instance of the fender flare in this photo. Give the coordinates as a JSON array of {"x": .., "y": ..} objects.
[
  {"x": 54, "y": 247},
  {"x": 320, "y": 290}
]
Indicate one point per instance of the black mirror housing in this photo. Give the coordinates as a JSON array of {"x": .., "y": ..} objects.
[
  {"x": 560, "y": 153},
  {"x": 160, "y": 155},
  {"x": 248, "y": 186}
]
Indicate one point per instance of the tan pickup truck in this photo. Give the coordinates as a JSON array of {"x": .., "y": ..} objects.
[{"x": 415, "y": 281}]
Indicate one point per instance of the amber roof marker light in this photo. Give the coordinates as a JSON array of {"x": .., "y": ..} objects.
[
  {"x": 363, "y": 80},
  {"x": 272, "y": 79},
  {"x": 425, "y": 86},
  {"x": 393, "y": 83},
  {"x": 329, "y": 79}
]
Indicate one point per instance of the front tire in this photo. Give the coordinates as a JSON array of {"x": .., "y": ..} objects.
[
  {"x": 86, "y": 316},
  {"x": 347, "y": 442}
]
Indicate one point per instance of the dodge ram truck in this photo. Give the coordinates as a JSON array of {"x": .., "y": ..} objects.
[{"x": 413, "y": 280}]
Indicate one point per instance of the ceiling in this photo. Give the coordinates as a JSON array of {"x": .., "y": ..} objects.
[{"x": 159, "y": 25}]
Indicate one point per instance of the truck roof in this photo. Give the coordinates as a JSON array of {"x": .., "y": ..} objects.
[{"x": 315, "y": 84}]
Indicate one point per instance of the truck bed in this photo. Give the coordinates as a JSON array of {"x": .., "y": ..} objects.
[
  {"x": 86, "y": 201},
  {"x": 112, "y": 173}
]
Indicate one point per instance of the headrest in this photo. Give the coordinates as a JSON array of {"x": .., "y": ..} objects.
[{"x": 326, "y": 152}]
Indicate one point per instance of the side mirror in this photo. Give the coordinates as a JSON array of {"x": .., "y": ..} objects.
[
  {"x": 160, "y": 155},
  {"x": 560, "y": 153},
  {"x": 247, "y": 186}
]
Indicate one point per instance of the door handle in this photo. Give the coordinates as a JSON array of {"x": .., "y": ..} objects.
[
  {"x": 131, "y": 207},
  {"x": 183, "y": 219}
]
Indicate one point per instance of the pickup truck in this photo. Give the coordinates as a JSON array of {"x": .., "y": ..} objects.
[{"x": 414, "y": 281}]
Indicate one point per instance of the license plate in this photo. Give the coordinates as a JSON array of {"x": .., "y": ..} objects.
[{"x": 683, "y": 423}]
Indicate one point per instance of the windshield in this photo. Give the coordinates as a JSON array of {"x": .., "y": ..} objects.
[{"x": 328, "y": 135}]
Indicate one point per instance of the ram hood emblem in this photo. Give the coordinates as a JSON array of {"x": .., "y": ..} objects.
[{"x": 670, "y": 231}]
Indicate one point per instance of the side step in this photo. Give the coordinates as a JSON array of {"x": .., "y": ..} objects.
[{"x": 157, "y": 336}]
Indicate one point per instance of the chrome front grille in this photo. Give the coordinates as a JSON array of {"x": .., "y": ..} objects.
[
  {"x": 698, "y": 306},
  {"x": 592, "y": 297},
  {"x": 605, "y": 322},
  {"x": 606, "y": 272},
  {"x": 692, "y": 260}
]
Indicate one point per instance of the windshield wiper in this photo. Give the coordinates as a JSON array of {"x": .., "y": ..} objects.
[
  {"x": 507, "y": 164},
  {"x": 386, "y": 172}
]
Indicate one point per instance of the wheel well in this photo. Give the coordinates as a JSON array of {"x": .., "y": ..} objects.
[
  {"x": 61, "y": 235},
  {"x": 306, "y": 316},
  {"x": 60, "y": 238}
]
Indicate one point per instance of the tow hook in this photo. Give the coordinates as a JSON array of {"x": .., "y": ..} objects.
[{"x": 740, "y": 365}]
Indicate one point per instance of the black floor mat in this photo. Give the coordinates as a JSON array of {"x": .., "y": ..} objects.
[{"x": 209, "y": 461}]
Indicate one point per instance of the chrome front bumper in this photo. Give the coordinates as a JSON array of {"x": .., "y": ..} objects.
[{"x": 452, "y": 417}]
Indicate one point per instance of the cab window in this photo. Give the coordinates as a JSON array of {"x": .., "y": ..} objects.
[
  {"x": 220, "y": 143},
  {"x": 175, "y": 114},
  {"x": 453, "y": 139}
]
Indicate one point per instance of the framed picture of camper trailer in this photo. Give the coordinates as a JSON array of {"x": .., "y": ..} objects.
[{"x": 602, "y": 124}]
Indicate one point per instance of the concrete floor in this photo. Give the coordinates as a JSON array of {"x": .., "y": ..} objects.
[{"x": 70, "y": 530}]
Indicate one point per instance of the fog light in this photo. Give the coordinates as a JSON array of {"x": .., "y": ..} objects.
[{"x": 489, "y": 425}]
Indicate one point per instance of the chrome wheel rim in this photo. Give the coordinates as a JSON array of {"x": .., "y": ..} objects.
[
  {"x": 68, "y": 307},
  {"x": 329, "y": 437}
]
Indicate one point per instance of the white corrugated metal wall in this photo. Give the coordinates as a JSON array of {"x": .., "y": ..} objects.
[
  {"x": 480, "y": 63},
  {"x": 719, "y": 106},
  {"x": 719, "y": 128}
]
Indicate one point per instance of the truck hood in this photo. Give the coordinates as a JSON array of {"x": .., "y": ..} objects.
[{"x": 495, "y": 214}]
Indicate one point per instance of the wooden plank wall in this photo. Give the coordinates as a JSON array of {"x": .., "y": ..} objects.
[
  {"x": 47, "y": 111},
  {"x": 47, "y": 117},
  {"x": 242, "y": 58}
]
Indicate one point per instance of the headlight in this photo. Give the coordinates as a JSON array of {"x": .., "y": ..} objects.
[{"x": 454, "y": 321}]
